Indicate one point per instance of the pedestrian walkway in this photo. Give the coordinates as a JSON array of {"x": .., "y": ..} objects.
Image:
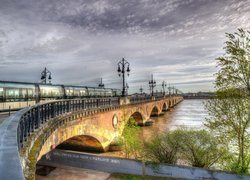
[{"x": 4, "y": 115}]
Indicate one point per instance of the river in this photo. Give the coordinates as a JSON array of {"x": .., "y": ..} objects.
[{"x": 189, "y": 114}]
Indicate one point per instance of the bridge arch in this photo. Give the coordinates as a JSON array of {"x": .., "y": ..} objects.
[
  {"x": 170, "y": 104},
  {"x": 164, "y": 106},
  {"x": 82, "y": 143},
  {"x": 75, "y": 129},
  {"x": 155, "y": 111},
  {"x": 138, "y": 117}
]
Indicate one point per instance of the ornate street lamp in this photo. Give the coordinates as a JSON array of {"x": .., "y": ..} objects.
[
  {"x": 152, "y": 84},
  {"x": 127, "y": 89},
  {"x": 176, "y": 91},
  {"x": 101, "y": 85},
  {"x": 141, "y": 90},
  {"x": 173, "y": 90},
  {"x": 169, "y": 90},
  {"x": 164, "y": 85},
  {"x": 46, "y": 74},
  {"x": 123, "y": 68}
]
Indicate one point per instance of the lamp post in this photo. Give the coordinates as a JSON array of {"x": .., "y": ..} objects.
[
  {"x": 122, "y": 71},
  {"x": 127, "y": 89},
  {"x": 169, "y": 90},
  {"x": 101, "y": 85},
  {"x": 141, "y": 90},
  {"x": 164, "y": 85},
  {"x": 173, "y": 90},
  {"x": 152, "y": 84},
  {"x": 46, "y": 74}
]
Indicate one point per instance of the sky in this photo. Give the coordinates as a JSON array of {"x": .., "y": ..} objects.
[{"x": 81, "y": 41}]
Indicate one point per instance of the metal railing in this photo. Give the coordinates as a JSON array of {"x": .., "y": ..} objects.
[
  {"x": 37, "y": 115},
  {"x": 136, "y": 99}
]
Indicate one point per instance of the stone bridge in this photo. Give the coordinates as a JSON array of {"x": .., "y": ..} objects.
[{"x": 34, "y": 131}]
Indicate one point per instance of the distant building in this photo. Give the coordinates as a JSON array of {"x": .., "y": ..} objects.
[{"x": 198, "y": 95}]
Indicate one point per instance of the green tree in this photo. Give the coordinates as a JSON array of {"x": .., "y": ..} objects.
[
  {"x": 130, "y": 142},
  {"x": 230, "y": 110},
  {"x": 163, "y": 148},
  {"x": 197, "y": 148},
  {"x": 235, "y": 64}
]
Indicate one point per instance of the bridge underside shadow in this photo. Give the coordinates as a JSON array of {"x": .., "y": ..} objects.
[
  {"x": 138, "y": 118},
  {"x": 164, "y": 107},
  {"x": 155, "y": 112},
  {"x": 82, "y": 143}
]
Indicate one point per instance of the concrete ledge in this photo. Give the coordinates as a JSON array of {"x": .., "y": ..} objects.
[
  {"x": 10, "y": 162},
  {"x": 60, "y": 158}
]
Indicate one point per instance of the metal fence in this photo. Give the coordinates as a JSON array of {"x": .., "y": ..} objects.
[{"x": 38, "y": 115}]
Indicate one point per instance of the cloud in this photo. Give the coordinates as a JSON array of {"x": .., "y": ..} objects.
[{"x": 81, "y": 41}]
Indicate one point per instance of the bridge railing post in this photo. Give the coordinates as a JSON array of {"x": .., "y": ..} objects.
[
  {"x": 45, "y": 113},
  {"x": 53, "y": 110},
  {"x": 32, "y": 120},
  {"x": 21, "y": 132},
  {"x": 28, "y": 120},
  {"x": 38, "y": 119},
  {"x": 25, "y": 127},
  {"x": 68, "y": 106},
  {"x": 78, "y": 104},
  {"x": 109, "y": 103},
  {"x": 84, "y": 104},
  {"x": 18, "y": 137},
  {"x": 65, "y": 106},
  {"x": 72, "y": 105},
  {"x": 89, "y": 104},
  {"x": 60, "y": 107}
]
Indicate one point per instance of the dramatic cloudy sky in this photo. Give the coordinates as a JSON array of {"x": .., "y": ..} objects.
[{"x": 80, "y": 41}]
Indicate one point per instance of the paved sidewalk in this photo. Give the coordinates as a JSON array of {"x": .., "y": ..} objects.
[
  {"x": 5, "y": 115},
  {"x": 70, "y": 173}
]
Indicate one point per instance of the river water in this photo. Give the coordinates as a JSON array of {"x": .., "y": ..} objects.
[{"x": 189, "y": 114}]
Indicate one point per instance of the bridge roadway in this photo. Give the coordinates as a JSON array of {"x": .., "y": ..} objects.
[{"x": 34, "y": 131}]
